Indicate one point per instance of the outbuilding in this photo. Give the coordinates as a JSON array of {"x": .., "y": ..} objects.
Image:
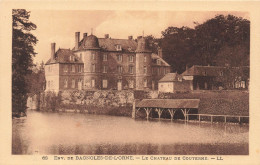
[{"x": 173, "y": 82}]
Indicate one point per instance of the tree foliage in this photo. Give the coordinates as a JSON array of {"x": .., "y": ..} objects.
[
  {"x": 36, "y": 80},
  {"x": 23, "y": 43},
  {"x": 222, "y": 40}
]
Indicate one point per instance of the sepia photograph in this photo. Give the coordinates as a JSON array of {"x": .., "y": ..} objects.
[{"x": 130, "y": 82}]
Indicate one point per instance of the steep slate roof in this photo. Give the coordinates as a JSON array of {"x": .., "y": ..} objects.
[
  {"x": 127, "y": 45},
  {"x": 109, "y": 44},
  {"x": 197, "y": 70},
  {"x": 63, "y": 56},
  {"x": 170, "y": 77},
  {"x": 169, "y": 103}
]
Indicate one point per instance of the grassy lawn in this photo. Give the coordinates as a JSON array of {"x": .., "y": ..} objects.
[{"x": 218, "y": 102}]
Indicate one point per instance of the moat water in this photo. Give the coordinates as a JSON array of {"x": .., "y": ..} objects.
[{"x": 78, "y": 134}]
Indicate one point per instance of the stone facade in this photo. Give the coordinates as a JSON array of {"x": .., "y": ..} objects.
[{"x": 105, "y": 63}]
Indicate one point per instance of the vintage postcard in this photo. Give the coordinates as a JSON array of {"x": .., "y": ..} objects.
[{"x": 129, "y": 82}]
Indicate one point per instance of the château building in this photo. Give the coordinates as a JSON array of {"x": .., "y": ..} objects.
[{"x": 105, "y": 63}]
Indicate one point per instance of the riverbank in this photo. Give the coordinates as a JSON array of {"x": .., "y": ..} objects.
[{"x": 119, "y": 103}]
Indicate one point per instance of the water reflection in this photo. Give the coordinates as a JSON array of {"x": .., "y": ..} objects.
[{"x": 74, "y": 133}]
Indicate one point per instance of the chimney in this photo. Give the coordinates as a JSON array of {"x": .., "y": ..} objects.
[
  {"x": 53, "y": 51},
  {"x": 139, "y": 37},
  {"x": 160, "y": 52},
  {"x": 85, "y": 35},
  {"x": 77, "y": 35},
  {"x": 130, "y": 37},
  {"x": 106, "y": 36},
  {"x": 187, "y": 67}
]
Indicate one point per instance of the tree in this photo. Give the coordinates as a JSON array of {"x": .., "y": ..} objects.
[
  {"x": 177, "y": 46},
  {"x": 36, "y": 80},
  {"x": 23, "y": 43},
  {"x": 222, "y": 40}
]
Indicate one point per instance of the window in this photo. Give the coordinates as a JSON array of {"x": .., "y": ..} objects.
[
  {"x": 131, "y": 69},
  {"x": 104, "y": 57},
  {"x": 118, "y": 47},
  {"x": 131, "y": 83},
  {"x": 93, "y": 68},
  {"x": 72, "y": 83},
  {"x": 243, "y": 84},
  {"x": 72, "y": 58},
  {"x": 145, "y": 69},
  {"x": 93, "y": 55},
  {"x": 104, "y": 83},
  {"x": 131, "y": 58},
  {"x": 145, "y": 82},
  {"x": 65, "y": 69},
  {"x": 119, "y": 57},
  {"x": 104, "y": 69},
  {"x": 119, "y": 69},
  {"x": 221, "y": 73},
  {"x": 145, "y": 59},
  {"x": 80, "y": 84},
  {"x": 205, "y": 73},
  {"x": 72, "y": 68},
  {"x": 80, "y": 56},
  {"x": 80, "y": 68},
  {"x": 93, "y": 83},
  {"x": 65, "y": 83},
  {"x": 158, "y": 62}
]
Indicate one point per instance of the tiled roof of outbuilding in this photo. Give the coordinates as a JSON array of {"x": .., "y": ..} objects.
[
  {"x": 197, "y": 70},
  {"x": 63, "y": 56},
  {"x": 169, "y": 103},
  {"x": 170, "y": 77}
]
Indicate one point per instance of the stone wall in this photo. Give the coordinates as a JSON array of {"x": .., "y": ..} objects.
[{"x": 111, "y": 102}]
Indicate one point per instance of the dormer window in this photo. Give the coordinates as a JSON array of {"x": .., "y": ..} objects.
[
  {"x": 118, "y": 48},
  {"x": 158, "y": 62},
  {"x": 72, "y": 58}
]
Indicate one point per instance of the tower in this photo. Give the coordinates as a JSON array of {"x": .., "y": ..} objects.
[
  {"x": 143, "y": 65},
  {"x": 89, "y": 51}
]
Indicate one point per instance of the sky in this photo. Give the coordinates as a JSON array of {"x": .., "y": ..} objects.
[{"x": 59, "y": 26}]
